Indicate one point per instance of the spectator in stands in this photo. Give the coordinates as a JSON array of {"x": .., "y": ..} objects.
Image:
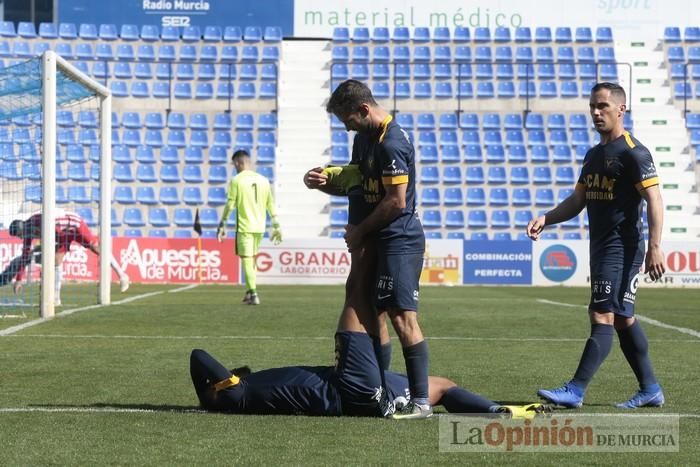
[
  {"x": 70, "y": 228},
  {"x": 250, "y": 195},
  {"x": 616, "y": 176}
]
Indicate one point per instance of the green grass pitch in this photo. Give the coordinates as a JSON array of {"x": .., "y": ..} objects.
[{"x": 501, "y": 342}]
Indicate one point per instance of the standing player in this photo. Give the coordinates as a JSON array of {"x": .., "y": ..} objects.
[
  {"x": 387, "y": 163},
  {"x": 70, "y": 228},
  {"x": 616, "y": 175},
  {"x": 250, "y": 195},
  {"x": 347, "y": 181}
]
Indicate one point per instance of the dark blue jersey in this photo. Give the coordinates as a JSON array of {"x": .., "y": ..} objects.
[
  {"x": 612, "y": 176},
  {"x": 389, "y": 159},
  {"x": 292, "y": 390}
]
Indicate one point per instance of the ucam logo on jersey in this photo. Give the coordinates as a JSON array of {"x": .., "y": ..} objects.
[
  {"x": 158, "y": 260},
  {"x": 556, "y": 262},
  {"x": 303, "y": 262}
]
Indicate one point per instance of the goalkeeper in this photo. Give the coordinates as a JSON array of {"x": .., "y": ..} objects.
[{"x": 249, "y": 194}]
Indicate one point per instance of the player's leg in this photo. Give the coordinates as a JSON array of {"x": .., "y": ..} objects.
[
  {"x": 58, "y": 274},
  {"x": 605, "y": 283},
  {"x": 397, "y": 293},
  {"x": 89, "y": 240},
  {"x": 247, "y": 245},
  {"x": 634, "y": 343},
  {"x": 359, "y": 379},
  {"x": 216, "y": 387}
]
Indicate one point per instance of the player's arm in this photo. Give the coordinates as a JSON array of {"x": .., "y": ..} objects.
[
  {"x": 24, "y": 259},
  {"x": 333, "y": 180},
  {"x": 654, "y": 260},
  {"x": 231, "y": 199},
  {"x": 564, "y": 211}
]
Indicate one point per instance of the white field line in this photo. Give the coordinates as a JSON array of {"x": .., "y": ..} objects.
[
  {"x": 644, "y": 319},
  {"x": 11, "y": 330},
  {"x": 312, "y": 338},
  {"x": 184, "y": 410}
]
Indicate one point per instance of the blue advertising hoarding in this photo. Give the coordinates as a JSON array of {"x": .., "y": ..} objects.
[
  {"x": 181, "y": 13},
  {"x": 497, "y": 262}
]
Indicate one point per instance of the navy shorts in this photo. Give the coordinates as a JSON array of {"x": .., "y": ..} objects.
[
  {"x": 358, "y": 376},
  {"x": 614, "y": 281},
  {"x": 397, "y": 281}
]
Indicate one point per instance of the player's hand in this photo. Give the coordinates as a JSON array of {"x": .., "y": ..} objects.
[
  {"x": 315, "y": 178},
  {"x": 534, "y": 227},
  {"x": 17, "y": 287},
  {"x": 654, "y": 263},
  {"x": 353, "y": 238},
  {"x": 276, "y": 234},
  {"x": 221, "y": 233}
]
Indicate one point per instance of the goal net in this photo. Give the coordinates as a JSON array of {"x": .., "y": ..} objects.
[{"x": 55, "y": 165}]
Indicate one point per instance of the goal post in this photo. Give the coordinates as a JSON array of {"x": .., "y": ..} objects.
[{"x": 63, "y": 84}]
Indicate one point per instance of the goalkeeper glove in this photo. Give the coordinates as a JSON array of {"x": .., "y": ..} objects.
[{"x": 276, "y": 234}]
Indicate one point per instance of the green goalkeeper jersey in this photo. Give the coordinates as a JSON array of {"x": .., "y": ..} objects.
[{"x": 250, "y": 195}]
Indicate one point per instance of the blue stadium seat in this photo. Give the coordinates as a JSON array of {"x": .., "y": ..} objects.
[
  {"x": 564, "y": 193},
  {"x": 192, "y": 195},
  {"x": 450, "y": 153},
  {"x": 144, "y": 195},
  {"x": 691, "y": 34},
  {"x": 78, "y": 172},
  {"x": 456, "y": 235},
  {"x": 454, "y": 219},
  {"x": 498, "y": 197},
  {"x": 157, "y": 233},
  {"x": 523, "y": 34},
  {"x": 430, "y": 197},
  {"x": 380, "y": 35},
  {"x": 544, "y": 197},
  {"x": 564, "y": 176},
  {"x": 502, "y": 236},
  {"x": 74, "y": 153},
  {"x": 543, "y": 34},
  {"x": 562, "y": 34},
  {"x": 48, "y": 30},
  {"x": 476, "y": 219},
  {"x": 429, "y": 175},
  {"x": 603, "y": 34},
  {"x": 158, "y": 217},
  {"x": 167, "y": 195},
  {"x": 216, "y": 196},
  {"x": 521, "y": 197},
  {"x": 476, "y": 197},
  {"x": 483, "y": 54},
  {"x": 500, "y": 219},
  {"x": 192, "y": 174},
  {"x": 431, "y": 219},
  {"x": 542, "y": 175},
  {"x": 517, "y": 153},
  {"x": 218, "y": 155},
  {"x": 561, "y": 154},
  {"x": 338, "y": 217},
  {"x": 272, "y": 34},
  {"x": 501, "y": 34},
  {"x": 583, "y": 35},
  {"x": 169, "y": 173},
  {"x": 428, "y": 154},
  {"x": 145, "y": 173},
  {"x": 67, "y": 31},
  {"x": 340, "y": 155},
  {"x": 461, "y": 34},
  {"x": 473, "y": 153},
  {"x": 495, "y": 153},
  {"x": 521, "y": 218},
  {"x": 267, "y": 172},
  {"x": 169, "y": 155},
  {"x": 133, "y": 217},
  {"x": 78, "y": 194},
  {"x": 184, "y": 217},
  {"x": 193, "y": 155},
  {"x": 144, "y": 155},
  {"x": 474, "y": 175},
  {"x": 252, "y": 34},
  {"x": 482, "y": 34}
]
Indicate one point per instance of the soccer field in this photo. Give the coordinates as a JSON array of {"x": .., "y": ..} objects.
[{"x": 110, "y": 385}]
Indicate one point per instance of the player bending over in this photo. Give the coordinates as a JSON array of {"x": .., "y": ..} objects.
[{"x": 70, "y": 228}]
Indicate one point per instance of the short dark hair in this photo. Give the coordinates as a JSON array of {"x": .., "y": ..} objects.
[
  {"x": 239, "y": 153},
  {"x": 348, "y": 97},
  {"x": 15, "y": 227},
  {"x": 615, "y": 89}
]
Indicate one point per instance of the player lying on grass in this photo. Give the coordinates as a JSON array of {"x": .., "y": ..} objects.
[
  {"x": 70, "y": 227},
  {"x": 330, "y": 390}
]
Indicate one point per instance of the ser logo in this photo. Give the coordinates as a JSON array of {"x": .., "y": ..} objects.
[{"x": 558, "y": 263}]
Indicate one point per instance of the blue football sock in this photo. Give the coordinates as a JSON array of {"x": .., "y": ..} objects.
[
  {"x": 635, "y": 346},
  {"x": 416, "y": 357},
  {"x": 594, "y": 353},
  {"x": 385, "y": 356},
  {"x": 459, "y": 400}
]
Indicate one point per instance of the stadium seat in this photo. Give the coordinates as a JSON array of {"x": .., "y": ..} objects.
[
  {"x": 539, "y": 154},
  {"x": 192, "y": 195},
  {"x": 216, "y": 196},
  {"x": 338, "y": 218},
  {"x": 158, "y": 217},
  {"x": 217, "y": 174},
  {"x": 454, "y": 219},
  {"x": 500, "y": 219},
  {"x": 474, "y": 175},
  {"x": 521, "y": 197},
  {"x": 169, "y": 173},
  {"x": 456, "y": 235},
  {"x": 431, "y": 219},
  {"x": 192, "y": 174},
  {"x": 133, "y": 217},
  {"x": 476, "y": 219},
  {"x": 476, "y": 197},
  {"x": 430, "y": 197},
  {"x": 167, "y": 195},
  {"x": 144, "y": 195},
  {"x": 517, "y": 153},
  {"x": 603, "y": 34}
]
